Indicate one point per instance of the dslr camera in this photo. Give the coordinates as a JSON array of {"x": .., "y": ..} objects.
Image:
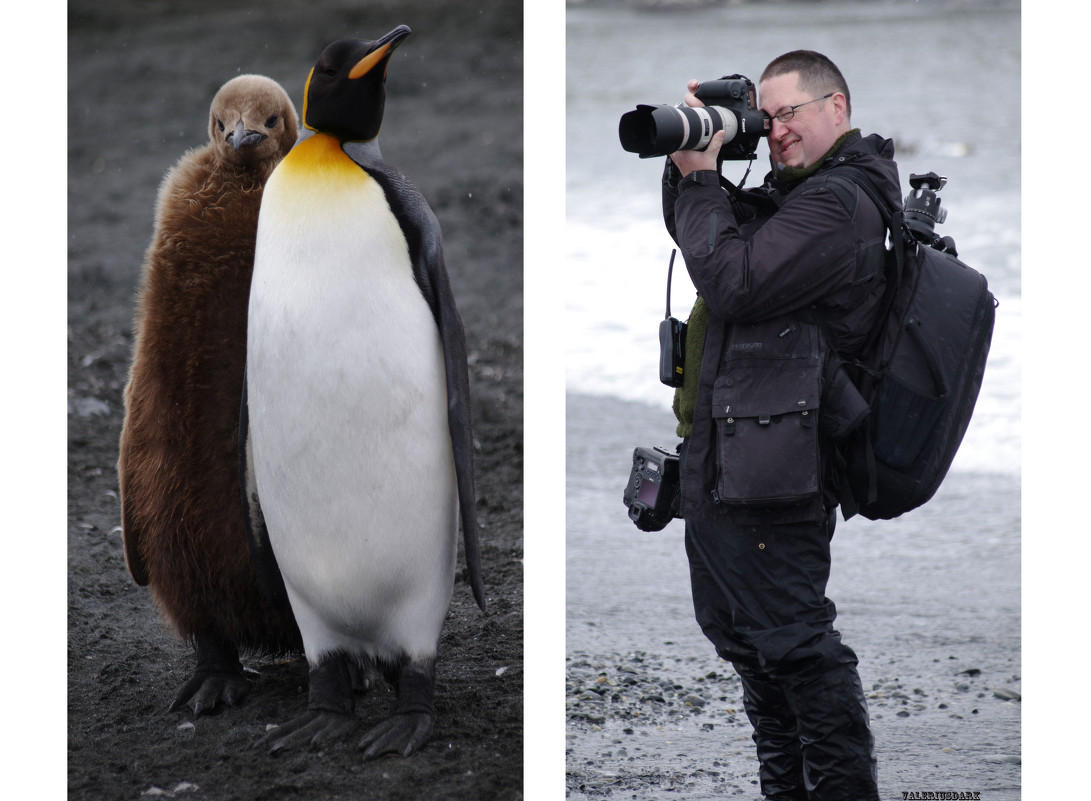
[
  {"x": 730, "y": 106},
  {"x": 652, "y": 494}
]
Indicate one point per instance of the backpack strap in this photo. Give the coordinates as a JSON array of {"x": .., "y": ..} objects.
[
  {"x": 894, "y": 220},
  {"x": 843, "y": 182}
]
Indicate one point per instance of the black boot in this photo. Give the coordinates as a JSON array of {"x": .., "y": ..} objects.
[
  {"x": 776, "y": 735},
  {"x": 837, "y": 746}
]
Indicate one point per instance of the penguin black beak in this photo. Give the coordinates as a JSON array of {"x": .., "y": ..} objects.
[
  {"x": 240, "y": 137},
  {"x": 383, "y": 49}
]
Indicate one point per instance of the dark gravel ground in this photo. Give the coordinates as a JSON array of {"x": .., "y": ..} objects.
[
  {"x": 140, "y": 79},
  {"x": 644, "y": 723}
]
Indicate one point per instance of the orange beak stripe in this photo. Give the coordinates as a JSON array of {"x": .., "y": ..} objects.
[{"x": 364, "y": 65}]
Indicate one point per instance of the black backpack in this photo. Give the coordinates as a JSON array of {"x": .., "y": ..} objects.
[{"x": 921, "y": 369}]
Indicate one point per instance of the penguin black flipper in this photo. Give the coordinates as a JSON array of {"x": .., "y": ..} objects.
[
  {"x": 264, "y": 561},
  {"x": 422, "y": 233}
]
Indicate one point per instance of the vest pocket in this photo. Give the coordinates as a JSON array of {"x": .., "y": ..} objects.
[{"x": 766, "y": 416}]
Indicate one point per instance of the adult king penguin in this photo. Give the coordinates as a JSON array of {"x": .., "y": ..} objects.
[
  {"x": 178, "y": 468},
  {"x": 360, "y": 449}
]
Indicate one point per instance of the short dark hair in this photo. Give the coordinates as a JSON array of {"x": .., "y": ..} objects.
[{"x": 817, "y": 74}]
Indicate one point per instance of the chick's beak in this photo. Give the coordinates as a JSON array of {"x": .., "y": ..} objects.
[{"x": 241, "y": 137}]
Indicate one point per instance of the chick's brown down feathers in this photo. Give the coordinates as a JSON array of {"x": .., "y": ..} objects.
[{"x": 182, "y": 517}]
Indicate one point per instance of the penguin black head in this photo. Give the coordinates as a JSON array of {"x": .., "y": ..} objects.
[
  {"x": 346, "y": 90},
  {"x": 252, "y": 122}
]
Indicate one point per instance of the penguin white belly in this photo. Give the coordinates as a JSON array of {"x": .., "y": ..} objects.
[{"x": 348, "y": 410}]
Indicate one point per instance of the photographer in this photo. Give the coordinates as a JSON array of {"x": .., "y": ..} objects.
[{"x": 778, "y": 274}]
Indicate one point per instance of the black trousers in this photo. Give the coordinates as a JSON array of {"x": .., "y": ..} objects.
[{"x": 759, "y": 595}]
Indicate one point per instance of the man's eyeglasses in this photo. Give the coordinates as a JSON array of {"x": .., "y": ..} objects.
[{"x": 787, "y": 114}]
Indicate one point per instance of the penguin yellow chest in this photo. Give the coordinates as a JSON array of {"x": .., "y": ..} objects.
[{"x": 322, "y": 206}]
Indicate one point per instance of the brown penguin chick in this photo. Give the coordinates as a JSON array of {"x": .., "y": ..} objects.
[{"x": 181, "y": 505}]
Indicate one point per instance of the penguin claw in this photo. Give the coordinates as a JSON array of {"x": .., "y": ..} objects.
[
  {"x": 314, "y": 727},
  {"x": 400, "y": 734}
]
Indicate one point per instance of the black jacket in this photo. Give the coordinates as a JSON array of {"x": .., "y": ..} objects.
[{"x": 768, "y": 254}]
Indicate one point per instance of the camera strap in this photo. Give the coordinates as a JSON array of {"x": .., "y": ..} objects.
[
  {"x": 672, "y": 341},
  {"x": 670, "y": 271}
]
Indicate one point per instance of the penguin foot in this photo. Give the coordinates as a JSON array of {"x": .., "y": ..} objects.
[
  {"x": 409, "y": 727},
  {"x": 330, "y": 705},
  {"x": 400, "y": 734},
  {"x": 218, "y": 677},
  {"x": 314, "y": 727},
  {"x": 207, "y": 691}
]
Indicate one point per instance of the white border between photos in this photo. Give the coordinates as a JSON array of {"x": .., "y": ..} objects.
[
  {"x": 1056, "y": 289},
  {"x": 543, "y": 401},
  {"x": 33, "y": 341}
]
